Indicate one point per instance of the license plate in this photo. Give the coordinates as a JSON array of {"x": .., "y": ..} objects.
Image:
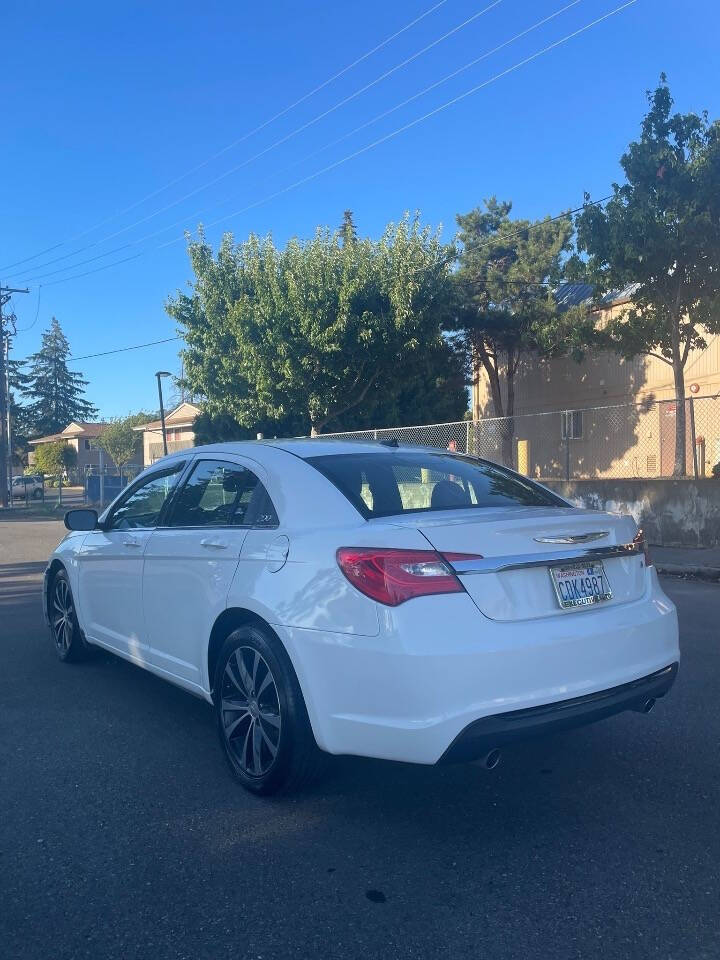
[{"x": 580, "y": 585}]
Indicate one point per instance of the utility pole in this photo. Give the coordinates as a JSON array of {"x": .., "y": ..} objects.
[{"x": 5, "y": 462}]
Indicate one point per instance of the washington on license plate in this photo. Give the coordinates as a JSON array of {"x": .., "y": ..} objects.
[{"x": 580, "y": 585}]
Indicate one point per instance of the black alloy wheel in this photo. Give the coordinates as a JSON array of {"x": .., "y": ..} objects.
[
  {"x": 69, "y": 641},
  {"x": 261, "y": 715}
]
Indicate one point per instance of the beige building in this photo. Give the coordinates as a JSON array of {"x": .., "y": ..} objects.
[
  {"x": 80, "y": 436},
  {"x": 605, "y": 416},
  {"x": 179, "y": 430}
]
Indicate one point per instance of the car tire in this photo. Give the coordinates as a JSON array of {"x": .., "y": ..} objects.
[
  {"x": 37, "y": 494},
  {"x": 65, "y": 630},
  {"x": 261, "y": 715}
]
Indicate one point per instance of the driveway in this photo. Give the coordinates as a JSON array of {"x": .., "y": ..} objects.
[{"x": 123, "y": 836}]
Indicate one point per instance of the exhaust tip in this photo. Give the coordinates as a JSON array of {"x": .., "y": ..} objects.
[
  {"x": 648, "y": 705},
  {"x": 491, "y": 759}
]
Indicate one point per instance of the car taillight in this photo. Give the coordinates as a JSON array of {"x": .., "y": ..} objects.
[
  {"x": 394, "y": 576},
  {"x": 640, "y": 541}
]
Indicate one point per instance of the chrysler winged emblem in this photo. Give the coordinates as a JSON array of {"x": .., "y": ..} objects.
[{"x": 574, "y": 537}]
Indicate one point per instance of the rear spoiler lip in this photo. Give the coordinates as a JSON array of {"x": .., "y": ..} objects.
[{"x": 525, "y": 561}]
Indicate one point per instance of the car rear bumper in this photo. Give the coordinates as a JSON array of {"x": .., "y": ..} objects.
[
  {"x": 502, "y": 729},
  {"x": 437, "y": 667}
]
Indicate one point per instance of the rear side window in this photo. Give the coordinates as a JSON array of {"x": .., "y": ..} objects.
[
  {"x": 390, "y": 484},
  {"x": 224, "y": 494}
]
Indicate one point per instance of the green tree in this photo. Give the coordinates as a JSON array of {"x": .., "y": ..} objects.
[
  {"x": 319, "y": 334},
  {"x": 55, "y": 458},
  {"x": 223, "y": 428},
  {"x": 661, "y": 230},
  {"x": 219, "y": 428},
  {"x": 505, "y": 309},
  {"x": 348, "y": 231},
  {"x": 56, "y": 393},
  {"x": 120, "y": 441},
  {"x": 19, "y": 420}
]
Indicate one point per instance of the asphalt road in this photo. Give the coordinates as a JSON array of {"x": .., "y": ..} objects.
[{"x": 123, "y": 836}]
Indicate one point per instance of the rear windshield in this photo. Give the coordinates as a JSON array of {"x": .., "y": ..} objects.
[{"x": 388, "y": 484}]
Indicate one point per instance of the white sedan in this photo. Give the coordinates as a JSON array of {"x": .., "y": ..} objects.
[{"x": 365, "y": 598}]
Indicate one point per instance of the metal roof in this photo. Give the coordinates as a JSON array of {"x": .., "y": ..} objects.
[{"x": 575, "y": 294}]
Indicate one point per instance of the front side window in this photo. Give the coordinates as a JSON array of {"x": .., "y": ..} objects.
[
  {"x": 218, "y": 493},
  {"x": 389, "y": 484},
  {"x": 143, "y": 505}
]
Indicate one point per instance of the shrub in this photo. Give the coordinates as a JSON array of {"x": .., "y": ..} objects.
[{"x": 55, "y": 458}]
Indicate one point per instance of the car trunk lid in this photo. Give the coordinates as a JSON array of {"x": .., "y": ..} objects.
[{"x": 520, "y": 546}]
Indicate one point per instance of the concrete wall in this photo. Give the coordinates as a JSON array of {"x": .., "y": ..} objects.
[{"x": 671, "y": 512}]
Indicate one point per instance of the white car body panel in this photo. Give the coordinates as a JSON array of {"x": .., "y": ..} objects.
[
  {"x": 393, "y": 682},
  {"x": 437, "y": 665},
  {"x": 186, "y": 579},
  {"x": 110, "y": 587}
]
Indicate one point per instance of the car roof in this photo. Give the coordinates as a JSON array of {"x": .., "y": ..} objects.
[
  {"x": 303, "y": 447},
  {"x": 319, "y": 446}
]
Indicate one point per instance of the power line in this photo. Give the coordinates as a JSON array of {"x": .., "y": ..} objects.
[
  {"x": 282, "y": 140},
  {"x": 437, "y": 83},
  {"x": 373, "y": 144},
  {"x": 37, "y": 313},
  {"x": 80, "y": 263},
  {"x": 425, "y": 116},
  {"x": 34, "y": 256},
  {"x": 115, "y": 263},
  {"x": 137, "y": 346},
  {"x": 540, "y": 223},
  {"x": 235, "y": 143},
  {"x": 332, "y": 143}
]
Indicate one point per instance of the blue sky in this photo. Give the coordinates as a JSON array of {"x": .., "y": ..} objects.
[{"x": 104, "y": 104}]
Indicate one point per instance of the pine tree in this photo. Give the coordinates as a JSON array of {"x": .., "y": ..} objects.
[
  {"x": 56, "y": 392},
  {"x": 19, "y": 382},
  {"x": 347, "y": 229}
]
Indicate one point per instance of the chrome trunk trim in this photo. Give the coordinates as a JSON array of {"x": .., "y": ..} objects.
[
  {"x": 523, "y": 561},
  {"x": 574, "y": 537}
]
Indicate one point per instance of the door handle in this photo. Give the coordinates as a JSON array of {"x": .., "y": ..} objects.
[
  {"x": 131, "y": 543},
  {"x": 213, "y": 544}
]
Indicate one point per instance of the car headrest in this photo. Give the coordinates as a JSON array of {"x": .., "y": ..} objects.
[{"x": 448, "y": 495}]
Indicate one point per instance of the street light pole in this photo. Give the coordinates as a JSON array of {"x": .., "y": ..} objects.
[{"x": 160, "y": 374}]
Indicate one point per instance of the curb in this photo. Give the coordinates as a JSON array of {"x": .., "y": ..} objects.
[{"x": 680, "y": 570}]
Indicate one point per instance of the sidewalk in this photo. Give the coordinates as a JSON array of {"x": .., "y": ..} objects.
[{"x": 702, "y": 562}]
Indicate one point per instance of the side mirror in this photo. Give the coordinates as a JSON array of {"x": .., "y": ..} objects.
[{"x": 81, "y": 519}]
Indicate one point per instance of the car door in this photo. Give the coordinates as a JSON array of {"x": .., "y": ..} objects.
[
  {"x": 110, "y": 564},
  {"x": 190, "y": 562}
]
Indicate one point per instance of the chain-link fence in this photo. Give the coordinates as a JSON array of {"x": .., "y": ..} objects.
[{"x": 618, "y": 441}]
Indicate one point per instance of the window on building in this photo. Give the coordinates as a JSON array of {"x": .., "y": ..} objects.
[
  {"x": 571, "y": 424},
  {"x": 87, "y": 444}
]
